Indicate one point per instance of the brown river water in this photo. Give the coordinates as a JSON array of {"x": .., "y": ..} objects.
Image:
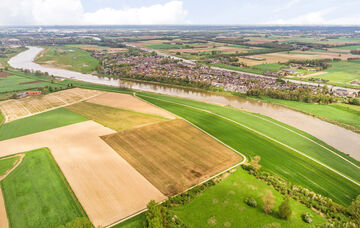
[{"x": 337, "y": 137}]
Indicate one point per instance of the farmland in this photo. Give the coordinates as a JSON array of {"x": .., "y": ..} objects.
[
  {"x": 184, "y": 155},
  {"x": 223, "y": 205},
  {"x": 114, "y": 118},
  {"x": 38, "y": 180},
  {"x": 15, "y": 109},
  {"x": 40, "y": 122},
  {"x": 68, "y": 58},
  {"x": 10, "y": 83},
  {"x": 276, "y": 158},
  {"x": 7, "y": 163}
]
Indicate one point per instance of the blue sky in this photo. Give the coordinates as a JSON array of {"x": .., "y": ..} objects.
[{"x": 236, "y": 12}]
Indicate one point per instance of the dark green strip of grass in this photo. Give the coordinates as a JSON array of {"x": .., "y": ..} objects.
[
  {"x": 276, "y": 158},
  {"x": 7, "y": 164},
  {"x": 36, "y": 193},
  {"x": 135, "y": 222},
  {"x": 40, "y": 122}
]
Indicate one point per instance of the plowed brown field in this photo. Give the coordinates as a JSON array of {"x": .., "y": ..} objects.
[{"x": 172, "y": 155}]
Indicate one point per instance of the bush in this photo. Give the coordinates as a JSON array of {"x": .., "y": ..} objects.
[
  {"x": 78, "y": 223},
  {"x": 251, "y": 202},
  {"x": 285, "y": 209},
  {"x": 308, "y": 218},
  {"x": 269, "y": 202}
]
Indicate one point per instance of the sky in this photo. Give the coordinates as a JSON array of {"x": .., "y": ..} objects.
[{"x": 192, "y": 12}]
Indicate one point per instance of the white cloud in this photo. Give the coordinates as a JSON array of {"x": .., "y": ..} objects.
[
  {"x": 71, "y": 12},
  {"x": 312, "y": 18},
  {"x": 286, "y": 6}
]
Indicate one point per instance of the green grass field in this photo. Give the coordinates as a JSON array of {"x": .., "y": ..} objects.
[
  {"x": 7, "y": 164},
  {"x": 36, "y": 193},
  {"x": 273, "y": 67},
  {"x": 223, "y": 206},
  {"x": 135, "y": 222},
  {"x": 243, "y": 69},
  {"x": 13, "y": 83},
  {"x": 276, "y": 158},
  {"x": 342, "y": 72},
  {"x": 352, "y": 47},
  {"x": 340, "y": 114},
  {"x": 165, "y": 46},
  {"x": 68, "y": 58},
  {"x": 40, "y": 122}
]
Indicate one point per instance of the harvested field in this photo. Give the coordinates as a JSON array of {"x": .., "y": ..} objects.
[
  {"x": 4, "y": 74},
  {"x": 108, "y": 188},
  {"x": 172, "y": 155},
  {"x": 314, "y": 74},
  {"x": 125, "y": 101},
  {"x": 114, "y": 118},
  {"x": 16, "y": 109},
  {"x": 4, "y": 223}
]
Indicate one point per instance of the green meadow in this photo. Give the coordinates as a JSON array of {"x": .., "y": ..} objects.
[
  {"x": 7, "y": 164},
  {"x": 36, "y": 193},
  {"x": 276, "y": 158},
  {"x": 69, "y": 58},
  {"x": 40, "y": 122},
  {"x": 223, "y": 205},
  {"x": 342, "y": 72}
]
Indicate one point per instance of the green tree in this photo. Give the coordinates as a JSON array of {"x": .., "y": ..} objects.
[
  {"x": 154, "y": 215},
  {"x": 78, "y": 223},
  {"x": 354, "y": 210},
  {"x": 285, "y": 209}
]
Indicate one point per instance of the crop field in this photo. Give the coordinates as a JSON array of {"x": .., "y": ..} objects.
[
  {"x": 114, "y": 118},
  {"x": 10, "y": 83},
  {"x": 280, "y": 159},
  {"x": 7, "y": 163},
  {"x": 223, "y": 205},
  {"x": 36, "y": 193},
  {"x": 107, "y": 187},
  {"x": 341, "y": 114},
  {"x": 352, "y": 47},
  {"x": 40, "y": 122},
  {"x": 16, "y": 109},
  {"x": 129, "y": 102},
  {"x": 172, "y": 155},
  {"x": 342, "y": 72},
  {"x": 68, "y": 58}
]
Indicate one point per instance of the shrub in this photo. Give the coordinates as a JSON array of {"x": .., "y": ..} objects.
[
  {"x": 269, "y": 203},
  {"x": 251, "y": 202},
  {"x": 78, "y": 223},
  {"x": 285, "y": 209},
  {"x": 308, "y": 218},
  {"x": 154, "y": 215}
]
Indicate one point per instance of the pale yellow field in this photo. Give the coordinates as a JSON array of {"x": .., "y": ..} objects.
[
  {"x": 107, "y": 186},
  {"x": 129, "y": 102},
  {"x": 20, "y": 108}
]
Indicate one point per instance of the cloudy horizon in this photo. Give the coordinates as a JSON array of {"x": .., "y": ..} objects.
[{"x": 179, "y": 12}]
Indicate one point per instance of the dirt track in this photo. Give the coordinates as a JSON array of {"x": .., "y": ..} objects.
[
  {"x": 125, "y": 101},
  {"x": 107, "y": 187}
]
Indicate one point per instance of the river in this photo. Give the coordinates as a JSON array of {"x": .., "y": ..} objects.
[{"x": 337, "y": 137}]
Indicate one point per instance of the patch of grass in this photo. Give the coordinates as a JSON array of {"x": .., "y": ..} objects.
[
  {"x": 243, "y": 69},
  {"x": 342, "y": 72},
  {"x": 16, "y": 83},
  {"x": 88, "y": 85},
  {"x": 135, "y": 222},
  {"x": 7, "y": 164},
  {"x": 40, "y": 122},
  {"x": 223, "y": 205},
  {"x": 36, "y": 193},
  {"x": 334, "y": 113},
  {"x": 74, "y": 59},
  {"x": 273, "y": 67},
  {"x": 276, "y": 158},
  {"x": 352, "y": 47},
  {"x": 165, "y": 46},
  {"x": 114, "y": 118}
]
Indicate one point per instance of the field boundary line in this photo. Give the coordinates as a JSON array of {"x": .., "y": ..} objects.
[
  {"x": 50, "y": 109},
  {"x": 197, "y": 184},
  {"x": 311, "y": 140},
  {"x": 257, "y": 132}
]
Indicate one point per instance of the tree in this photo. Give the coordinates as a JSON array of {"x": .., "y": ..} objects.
[
  {"x": 268, "y": 201},
  {"x": 285, "y": 209},
  {"x": 354, "y": 210},
  {"x": 255, "y": 163},
  {"x": 78, "y": 223},
  {"x": 155, "y": 215}
]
